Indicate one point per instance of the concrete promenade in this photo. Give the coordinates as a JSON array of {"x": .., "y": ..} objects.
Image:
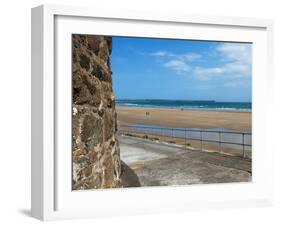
[{"x": 166, "y": 164}]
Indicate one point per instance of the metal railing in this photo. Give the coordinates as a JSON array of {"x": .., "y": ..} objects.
[{"x": 187, "y": 134}]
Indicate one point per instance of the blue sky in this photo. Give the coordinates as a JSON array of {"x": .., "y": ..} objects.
[{"x": 181, "y": 69}]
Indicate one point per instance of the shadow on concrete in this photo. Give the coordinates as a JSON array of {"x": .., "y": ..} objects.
[{"x": 129, "y": 177}]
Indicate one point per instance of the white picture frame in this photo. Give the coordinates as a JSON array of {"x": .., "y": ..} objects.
[{"x": 53, "y": 199}]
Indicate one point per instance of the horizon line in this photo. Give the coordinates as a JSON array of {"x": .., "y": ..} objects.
[{"x": 157, "y": 99}]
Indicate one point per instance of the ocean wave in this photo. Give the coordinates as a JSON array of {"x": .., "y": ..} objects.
[
  {"x": 218, "y": 109},
  {"x": 129, "y": 104},
  {"x": 188, "y": 107},
  {"x": 234, "y": 109}
]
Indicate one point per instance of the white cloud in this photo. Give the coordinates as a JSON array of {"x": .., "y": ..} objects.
[
  {"x": 190, "y": 56},
  {"x": 236, "y": 63},
  {"x": 184, "y": 56},
  {"x": 176, "y": 62},
  {"x": 237, "y": 52},
  {"x": 234, "y": 60},
  {"x": 207, "y": 73},
  {"x": 159, "y": 53},
  {"x": 178, "y": 66}
]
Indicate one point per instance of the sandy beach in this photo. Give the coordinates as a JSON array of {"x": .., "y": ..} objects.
[{"x": 240, "y": 121}]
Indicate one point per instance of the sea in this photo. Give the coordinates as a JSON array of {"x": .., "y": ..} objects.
[{"x": 207, "y": 105}]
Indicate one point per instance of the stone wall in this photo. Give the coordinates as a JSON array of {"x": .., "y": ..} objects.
[{"x": 96, "y": 154}]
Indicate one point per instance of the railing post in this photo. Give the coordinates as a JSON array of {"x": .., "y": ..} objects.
[
  {"x": 243, "y": 139},
  {"x": 220, "y": 140},
  {"x": 145, "y": 132},
  {"x": 185, "y": 144},
  {"x": 201, "y": 139}
]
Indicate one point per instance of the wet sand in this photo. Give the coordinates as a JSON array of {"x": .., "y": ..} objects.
[{"x": 240, "y": 121}]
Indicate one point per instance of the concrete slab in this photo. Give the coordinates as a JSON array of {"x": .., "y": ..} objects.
[
  {"x": 158, "y": 164},
  {"x": 137, "y": 150}
]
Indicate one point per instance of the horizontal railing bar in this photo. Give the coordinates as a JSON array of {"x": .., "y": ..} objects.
[
  {"x": 165, "y": 132},
  {"x": 213, "y": 141},
  {"x": 223, "y": 142},
  {"x": 190, "y": 138},
  {"x": 188, "y": 130}
]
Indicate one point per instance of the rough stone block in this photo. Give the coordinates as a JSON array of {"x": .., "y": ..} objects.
[{"x": 95, "y": 154}]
